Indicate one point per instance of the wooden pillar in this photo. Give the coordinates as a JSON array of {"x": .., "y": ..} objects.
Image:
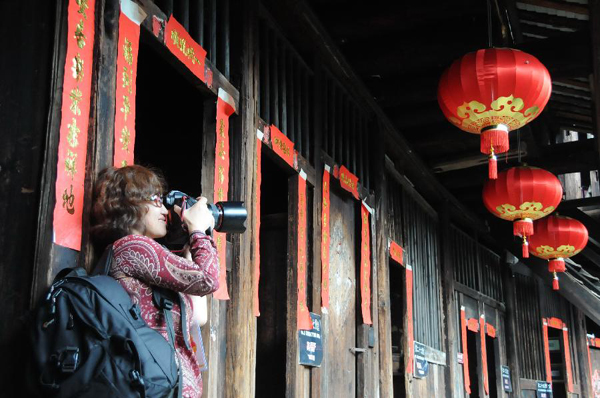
[
  {"x": 580, "y": 349},
  {"x": 382, "y": 297},
  {"x": 452, "y": 334},
  {"x": 508, "y": 282},
  {"x": 213, "y": 334},
  {"x": 319, "y": 128},
  {"x": 241, "y": 330}
]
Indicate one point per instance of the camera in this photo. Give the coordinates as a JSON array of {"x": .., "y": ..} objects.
[{"x": 229, "y": 216}]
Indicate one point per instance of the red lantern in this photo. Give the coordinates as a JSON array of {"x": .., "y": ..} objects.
[
  {"x": 491, "y": 92},
  {"x": 521, "y": 195},
  {"x": 557, "y": 238}
]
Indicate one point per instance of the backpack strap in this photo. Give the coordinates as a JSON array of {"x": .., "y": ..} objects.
[
  {"x": 103, "y": 265},
  {"x": 163, "y": 302}
]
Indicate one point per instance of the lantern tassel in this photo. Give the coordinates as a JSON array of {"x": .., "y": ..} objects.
[
  {"x": 555, "y": 282},
  {"x": 492, "y": 166},
  {"x": 525, "y": 247}
]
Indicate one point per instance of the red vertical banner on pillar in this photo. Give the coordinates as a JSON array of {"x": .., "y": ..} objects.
[
  {"x": 546, "y": 350},
  {"x": 325, "y": 240},
  {"x": 181, "y": 44},
  {"x": 365, "y": 266},
  {"x": 349, "y": 181},
  {"x": 463, "y": 333},
  {"x": 127, "y": 57},
  {"x": 225, "y": 108},
  {"x": 304, "y": 321},
  {"x": 482, "y": 329},
  {"x": 396, "y": 253},
  {"x": 409, "y": 319},
  {"x": 72, "y": 147},
  {"x": 565, "y": 331},
  {"x": 256, "y": 306}
]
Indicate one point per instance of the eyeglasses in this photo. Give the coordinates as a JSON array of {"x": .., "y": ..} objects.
[{"x": 156, "y": 200}]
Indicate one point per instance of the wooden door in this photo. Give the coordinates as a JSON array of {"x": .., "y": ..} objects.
[{"x": 341, "y": 323}]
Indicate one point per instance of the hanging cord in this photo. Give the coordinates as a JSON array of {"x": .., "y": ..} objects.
[
  {"x": 489, "y": 23},
  {"x": 519, "y": 144}
]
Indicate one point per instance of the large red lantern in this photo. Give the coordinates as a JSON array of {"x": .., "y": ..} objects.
[
  {"x": 494, "y": 91},
  {"x": 521, "y": 195},
  {"x": 557, "y": 238}
]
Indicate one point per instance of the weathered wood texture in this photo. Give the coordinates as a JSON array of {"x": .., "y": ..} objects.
[
  {"x": 452, "y": 335},
  {"x": 241, "y": 333},
  {"x": 27, "y": 85},
  {"x": 339, "y": 375},
  {"x": 381, "y": 297},
  {"x": 219, "y": 79},
  {"x": 102, "y": 116}
]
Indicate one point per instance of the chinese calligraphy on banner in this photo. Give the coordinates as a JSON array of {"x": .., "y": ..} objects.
[
  {"x": 225, "y": 108},
  {"x": 72, "y": 147},
  {"x": 127, "y": 55}
]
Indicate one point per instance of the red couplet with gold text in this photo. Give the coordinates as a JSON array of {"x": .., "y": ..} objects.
[
  {"x": 325, "y": 241},
  {"x": 282, "y": 145},
  {"x": 256, "y": 306},
  {"x": 127, "y": 58},
  {"x": 72, "y": 146},
  {"x": 349, "y": 181},
  {"x": 225, "y": 108},
  {"x": 365, "y": 266},
  {"x": 304, "y": 321},
  {"x": 396, "y": 253},
  {"x": 181, "y": 44}
]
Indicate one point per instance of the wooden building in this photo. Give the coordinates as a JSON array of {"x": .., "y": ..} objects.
[{"x": 321, "y": 115}]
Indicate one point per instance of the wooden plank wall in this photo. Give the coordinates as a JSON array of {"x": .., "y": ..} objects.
[{"x": 31, "y": 75}]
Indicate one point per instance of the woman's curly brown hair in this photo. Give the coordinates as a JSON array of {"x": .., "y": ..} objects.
[{"x": 119, "y": 198}]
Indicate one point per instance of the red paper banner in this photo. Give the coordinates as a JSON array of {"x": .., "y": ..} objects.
[
  {"x": 127, "y": 56},
  {"x": 365, "y": 266},
  {"x": 225, "y": 108},
  {"x": 349, "y": 181},
  {"x": 282, "y": 145},
  {"x": 325, "y": 241},
  {"x": 304, "y": 321},
  {"x": 181, "y": 44},
  {"x": 465, "y": 350},
  {"x": 72, "y": 147},
  {"x": 409, "y": 319},
  {"x": 491, "y": 331},
  {"x": 568, "y": 359},
  {"x": 257, "y": 226},
  {"x": 486, "y": 383},
  {"x": 546, "y": 350},
  {"x": 396, "y": 253}
]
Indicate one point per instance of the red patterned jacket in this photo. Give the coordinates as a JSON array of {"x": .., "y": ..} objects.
[{"x": 140, "y": 262}]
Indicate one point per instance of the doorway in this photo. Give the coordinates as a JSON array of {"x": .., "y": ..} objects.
[
  {"x": 271, "y": 339},
  {"x": 169, "y": 122},
  {"x": 474, "y": 362},
  {"x": 557, "y": 364},
  {"x": 397, "y": 297},
  {"x": 490, "y": 348}
]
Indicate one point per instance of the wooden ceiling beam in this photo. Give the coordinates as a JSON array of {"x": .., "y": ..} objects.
[
  {"x": 553, "y": 20},
  {"x": 559, "y": 6},
  {"x": 595, "y": 78}
]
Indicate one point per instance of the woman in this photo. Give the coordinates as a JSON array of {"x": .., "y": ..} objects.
[{"x": 128, "y": 212}]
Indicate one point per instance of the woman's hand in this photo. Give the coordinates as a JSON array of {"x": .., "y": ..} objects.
[{"x": 198, "y": 217}]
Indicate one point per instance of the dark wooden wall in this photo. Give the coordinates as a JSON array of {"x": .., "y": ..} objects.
[{"x": 26, "y": 42}]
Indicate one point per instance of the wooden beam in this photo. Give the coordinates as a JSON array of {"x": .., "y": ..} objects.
[
  {"x": 577, "y": 203},
  {"x": 553, "y": 20},
  {"x": 559, "y": 6},
  {"x": 594, "y": 6}
]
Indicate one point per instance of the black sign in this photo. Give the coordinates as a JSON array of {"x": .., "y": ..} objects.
[
  {"x": 421, "y": 364},
  {"x": 506, "y": 382},
  {"x": 311, "y": 345},
  {"x": 544, "y": 389}
]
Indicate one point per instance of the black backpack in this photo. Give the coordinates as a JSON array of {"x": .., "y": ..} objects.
[{"x": 89, "y": 340}]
